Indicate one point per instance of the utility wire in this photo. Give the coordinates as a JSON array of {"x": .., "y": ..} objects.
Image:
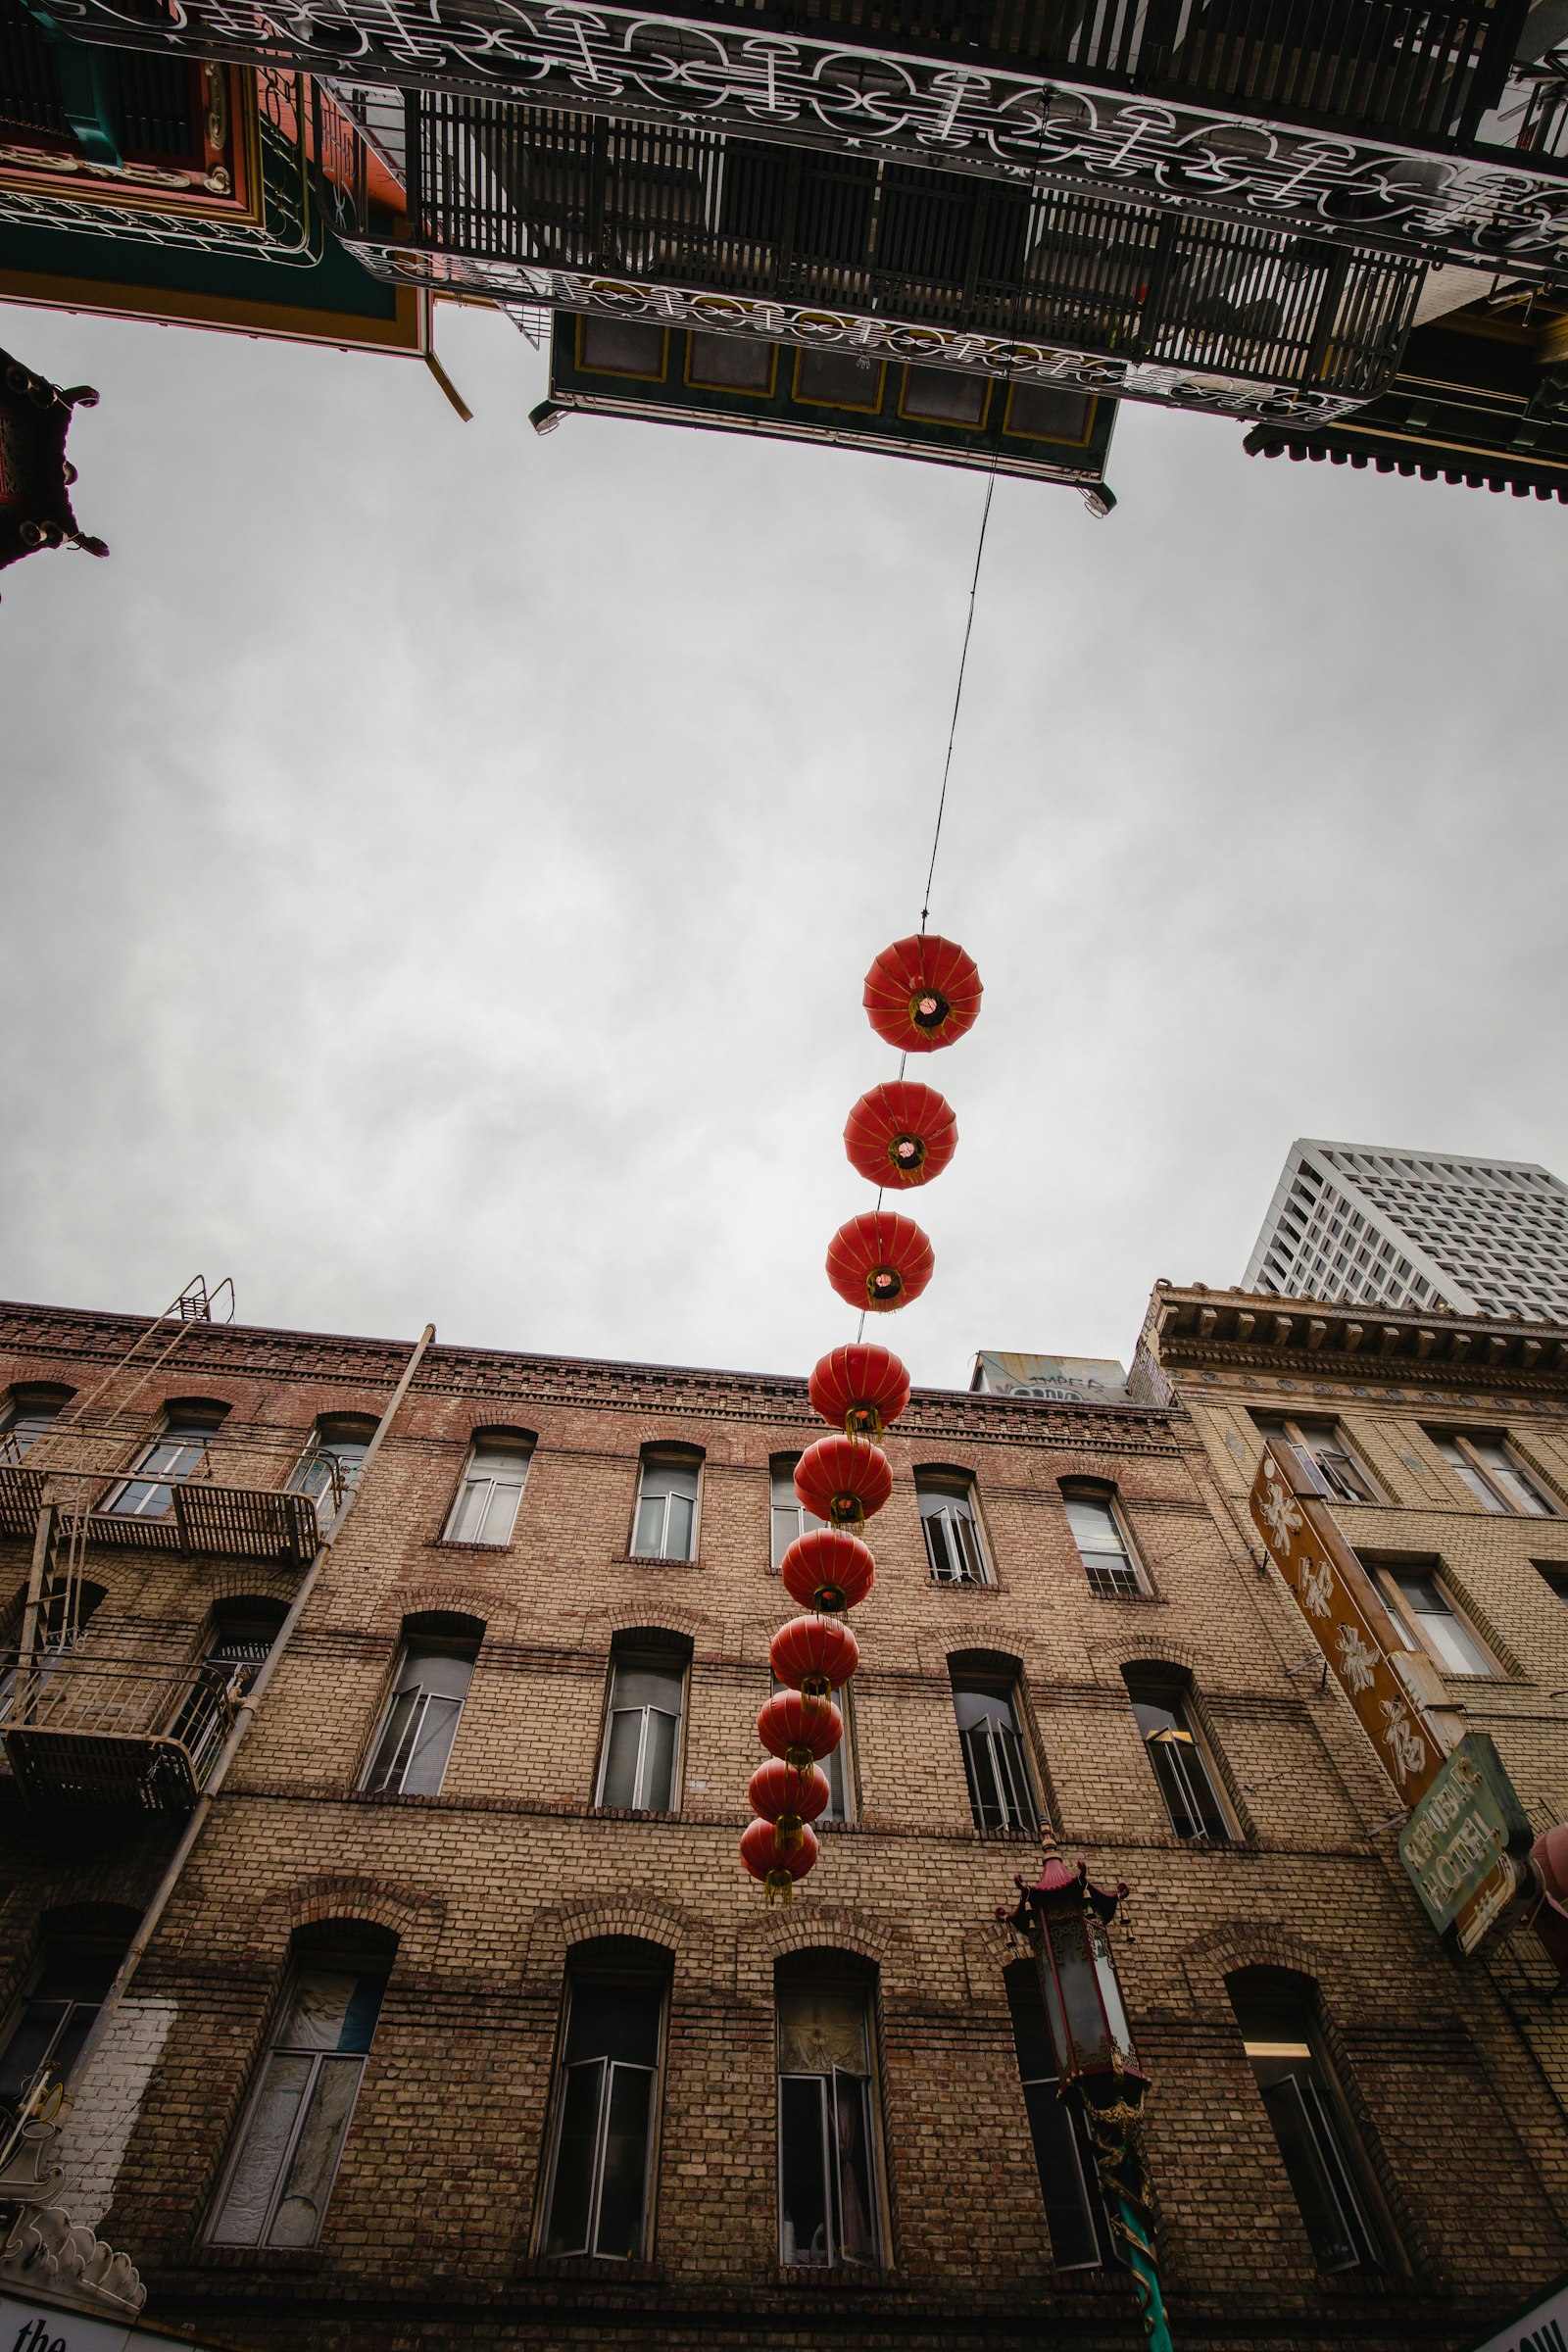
[{"x": 958, "y": 699}]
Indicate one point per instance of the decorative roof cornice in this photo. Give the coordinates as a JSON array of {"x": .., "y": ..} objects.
[{"x": 1260, "y": 1330}]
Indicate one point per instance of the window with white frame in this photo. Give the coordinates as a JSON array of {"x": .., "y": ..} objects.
[
  {"x": 1001, "y": 1792},
  {"x": 1324, "y": 1448},
  {"x": 1103, "y": 1544},
  {"x": 1494, "y": 1474},
  {"x": 828, "y": 2203},
  {"x": 639, "y": 1768},
  {"x": 1069, "y": 2183},
  {"x": 28, "y": 1415},
  {"x": 951, "y": 1528},
  {"x": 485, "y": 1511},
  {"x": 179, "y": 1452},
  {"x": 1317, "y": 2144},
  {"x": 329, "y": 1470},
  {"x": 1425, "y": 1616},
  {"x": 290, "y": 2144},
  {"x": 1163, "y": 1707},
  {"x": 666, "y": 1507},
  {"x": 790, "y": 1517},
  {"x": 602, "y": 2135},
  {"x": 51, "y": 2023},
  {"x": 420, "y": 1723}
]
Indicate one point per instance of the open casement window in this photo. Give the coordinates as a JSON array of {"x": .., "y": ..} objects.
[
  {"x": 30, "y": 1414},
  {"x": 486, "y": 1507},
  {"x": 1001, "y": 1794},
  {"x": 54, "y": 2018},
  {"x": 667, "y": 1509},
  {"x": 291, "y": 2139},
  {"x": 1075, "y": 2210},
  {"x": 952, "y": 1542},
  {"x": 827, "y": 2192},
  {"x": 329, "y": 1470},
  {"x": 604, "y": 2126},
  {"x": 1322, "y": 1446},
  {"x": 1317, "y": 2145},
  {"x": 642, "y": 1732},
  {"x": 235, "y": 1653},
  {"x": 179, "y": 1452},
  {"x": 1427, "y": 1619},
  {"x": 421, "y": 1718},
  {"x": 791, "y": 1518},
  {"x": 1103, "y": 1546},
  {"x": 1495, "y": 1476},
  {"x": 1175, "y": 1750}
]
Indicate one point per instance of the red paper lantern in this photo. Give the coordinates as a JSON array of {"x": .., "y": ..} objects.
[
  {"x": 828, "y": 1569},
  {"x": 902, "y": 1134},
  {"x": 778, "y": 1865},
  {"x": 803, "y": 1730},
  {"x": 922, "y": 993},
  {"x": 859, "y": 1388},
  {"x": 843, "y": 1480},
  {"x": 879, "y": 1260},
  {"x": 814, "y": 1655},
  {"x": 780, "y": 1794}
]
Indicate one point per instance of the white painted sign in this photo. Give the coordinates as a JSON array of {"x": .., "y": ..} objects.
[
  {"x": 1543, "y": 2328},
  {"x": 34, "y": 2327}
]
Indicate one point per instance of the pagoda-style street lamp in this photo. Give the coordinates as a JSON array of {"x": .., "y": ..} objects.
[{"x": 1065, "y": 1918}]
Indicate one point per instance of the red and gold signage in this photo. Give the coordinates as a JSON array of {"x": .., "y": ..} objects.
[{"x": 1329, "y": 1586}]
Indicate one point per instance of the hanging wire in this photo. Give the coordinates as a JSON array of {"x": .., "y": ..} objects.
[{"x": 958, "y": 699}]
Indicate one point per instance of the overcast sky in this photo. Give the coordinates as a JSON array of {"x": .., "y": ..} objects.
[{"x": 441, "y": 864}]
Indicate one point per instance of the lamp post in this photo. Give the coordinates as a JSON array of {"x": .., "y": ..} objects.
[{"x": 1064, "y": 1917}]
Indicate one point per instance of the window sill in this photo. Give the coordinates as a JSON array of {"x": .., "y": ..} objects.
[
  {"x": 963, "y": 1584},
  {"x": 834, "y": 2278},
  {"x": 252, "y": 2258},
  {"x": 626, "y": 1813},
  {"x": 457, "y": 1544},
  {"x": 652, "y": 1560},
  {"x": 607, "y": 2269}
]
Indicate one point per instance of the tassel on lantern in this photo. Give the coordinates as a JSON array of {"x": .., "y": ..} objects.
[
  {"x": 803, "y": 1730},
  {"x": 900, "y": 1134},
  {"x": 922, "y": 993},
  {"x": 815, "y": 1655},
  {"x": 880, "y": 1261},
  {"x": 843, "y": 1480},
  {"x": 776, "y": 1864}
]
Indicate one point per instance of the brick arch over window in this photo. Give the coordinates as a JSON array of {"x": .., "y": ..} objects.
[
  {"x": 22, "y": 1393},
  {"x": 218, "y": 1406},
  {"x": 455, "y": 1598},
  {"x": 408, "y": 1912},
  {"x": 565, "y": 1927},
  {"x": 1231, "y": 1946},
  {"x": 444, "y": 1625},
  {"x": 1001, "y": 1664},
  {"x": 826, "y": 1928},
  {"x": 347, "y": 1931},
  {"x": 113, "y": 1922},
  {"x": 988, "y": 1949},
  {"x": 251, "y": 1579},
  {"x": 1148, "y": 1650},
  {"x": 675, "y": 1630}
]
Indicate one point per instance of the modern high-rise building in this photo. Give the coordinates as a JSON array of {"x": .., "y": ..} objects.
[{"x": 1364, "y": 1224}]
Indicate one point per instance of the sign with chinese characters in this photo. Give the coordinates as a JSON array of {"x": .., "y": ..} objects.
[
  {"x": 1455, "y": 1844},
  {"x": 1313, "y": 1559}
]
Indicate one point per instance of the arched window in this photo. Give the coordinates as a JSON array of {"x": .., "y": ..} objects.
[
  {"x": 951, "y": 1527},
  {"x": 329, "y": 1470},
  {"x": 485, "y": 1511},
  {"x": 82, "y": 1955},
  {"x": 434, "y": 1668},
  {"x": 65, "y": 1613},
  {"x": 28, "y": 1411},
  {"x": 1075, "y": 2210},
  {"x": 639, "y": 1769},
  {"x": 1329, "y": 2175},
  {"x": 985, "y": 1703},
  {"x": 1103, "y": 1544},
  {"x": 179, "y": 1451},
  {"x": 237, "y": 1645},
  {"x": 667, "y": 1504},
  {"x": 828, "y": 2174},
  {"x": 1161, "y": 1699},
  {"x": 290, "y": 2143},
  {"x": 790, "y": 1517},
  {"x": 600, "y": 2160}
]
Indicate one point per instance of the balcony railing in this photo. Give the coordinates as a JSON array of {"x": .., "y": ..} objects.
[
  {"x": 122, "y": 1732},
  {"x": 248, "y": 1523}
]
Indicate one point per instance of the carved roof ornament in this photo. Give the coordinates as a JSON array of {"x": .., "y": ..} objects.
[
  {"x": 1200, "y": 1326},
  {"x": 43, "y": 2251},
  {"x": 35, "y": 474}
]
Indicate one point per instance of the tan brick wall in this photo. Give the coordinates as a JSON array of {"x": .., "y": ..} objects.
[{"x": 432, "y": 2223}]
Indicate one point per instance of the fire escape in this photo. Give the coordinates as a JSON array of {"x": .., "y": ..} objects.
[{"x": 134, "y": 1721}]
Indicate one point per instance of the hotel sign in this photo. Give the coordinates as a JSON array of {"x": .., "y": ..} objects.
[
  {"x": 1455, "y": 1844},
  {"x": 1324, "y": 1582}
]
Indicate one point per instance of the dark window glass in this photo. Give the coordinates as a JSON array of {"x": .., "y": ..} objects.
[
  {"x": 1000, "y": 1793},
  {"x": 177, "y": 1454},
  {"x": 604, "y": 2118},
  {"x": 293, "y": 2137},
  {"x": 666, "y": 1511},
  {"x": 329, "y": 1468},
  {"x": 421, "y": 1721},
  {"x": 642, "y": 1734},
  {"x": 1314, "y": 2137},
  {"x": 828, "y": 2199},
  {"x": 1180, "y": 1767},
  {"x": 1075, "y": 2213},
  {"x": 952, "y": 1536},
  {"x": 54, "y": 2020}
]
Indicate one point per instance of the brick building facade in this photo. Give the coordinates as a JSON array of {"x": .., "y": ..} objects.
[{"x": 410, "y": 1894}]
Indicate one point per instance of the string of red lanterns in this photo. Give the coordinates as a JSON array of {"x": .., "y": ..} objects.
[{"x": 920, "y": 993}]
